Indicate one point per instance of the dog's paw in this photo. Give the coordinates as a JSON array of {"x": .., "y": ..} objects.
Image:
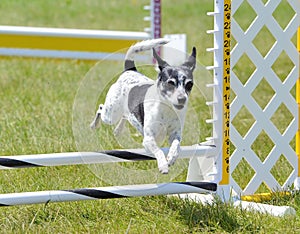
[
  {"x": 173, "y": 153},
  {"x": 162, "y": 163},
  {"x": 164, "y": 169},
  {"x": 172, "y": 159}
]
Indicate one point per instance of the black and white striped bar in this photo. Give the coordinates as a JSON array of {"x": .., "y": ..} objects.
[
  {"x": 109, "y": 156},
  {"x": 43, "y": 197}
]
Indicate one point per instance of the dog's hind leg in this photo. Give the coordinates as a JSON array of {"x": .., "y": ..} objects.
[
  {"x": 119, "y": 127},
  {"x": 96, "y": 122},
  {"x": 111, "y": 111},
  {"x": 113, "y": 108}
]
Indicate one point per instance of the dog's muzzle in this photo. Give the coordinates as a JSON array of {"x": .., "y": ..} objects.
[
  {"x": 179, "y": 107},
  {"x": 181, "y": 102}
]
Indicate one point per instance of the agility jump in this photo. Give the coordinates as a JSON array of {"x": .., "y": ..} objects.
[
  {"x": 76, "y": 43},
  {"x": 198, "y": 150},
  {"x": 219, "y": 149}
]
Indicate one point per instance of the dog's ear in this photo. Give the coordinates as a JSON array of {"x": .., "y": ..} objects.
[
  {"x": 191, "y": 61},
  {"x": 161, "y": 63}
]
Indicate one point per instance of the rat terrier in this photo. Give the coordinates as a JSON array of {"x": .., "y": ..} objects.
[{"x": 154, "y": 108}]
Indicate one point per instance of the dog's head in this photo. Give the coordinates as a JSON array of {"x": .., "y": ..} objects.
[{"x": 175, "y": 82}]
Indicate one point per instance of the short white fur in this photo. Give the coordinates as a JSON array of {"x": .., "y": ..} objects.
[{"x": 163, "y": 111}]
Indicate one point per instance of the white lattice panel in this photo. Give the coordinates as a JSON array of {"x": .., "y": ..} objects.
[{"x": 281, "y": 99}]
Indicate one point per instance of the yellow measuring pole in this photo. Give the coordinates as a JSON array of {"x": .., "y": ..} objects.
[
  {"x": 226, "y": 92},
  {"x": 298, "y": 102}
]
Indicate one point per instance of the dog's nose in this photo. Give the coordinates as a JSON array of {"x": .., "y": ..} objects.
[{"x": 181, "y": 99}]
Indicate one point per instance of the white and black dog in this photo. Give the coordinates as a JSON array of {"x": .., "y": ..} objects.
[{"x": 155, "y": 108}]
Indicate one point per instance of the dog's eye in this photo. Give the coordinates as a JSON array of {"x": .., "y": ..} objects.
[
  {"x": 189, "y": 86},
  {"x": 171, "y": 83}
]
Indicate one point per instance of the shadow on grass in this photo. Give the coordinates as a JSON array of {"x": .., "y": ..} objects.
[{"x": 214, "y": 217}]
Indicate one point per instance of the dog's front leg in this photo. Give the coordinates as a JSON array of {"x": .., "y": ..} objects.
[
  {"x": 151, "y": 146},
  {"x": 174, "y": 149}
]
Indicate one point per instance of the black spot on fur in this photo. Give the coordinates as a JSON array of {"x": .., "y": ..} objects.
[
  {"x": 136, "y": 99},
  {"x": 129, "y": 65}
]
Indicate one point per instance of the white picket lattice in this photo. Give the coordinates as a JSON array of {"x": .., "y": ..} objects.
[{"x": 245, "y": 99}]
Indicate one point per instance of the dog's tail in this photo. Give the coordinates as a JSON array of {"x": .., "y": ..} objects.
[{"x": 139, "y": 47}]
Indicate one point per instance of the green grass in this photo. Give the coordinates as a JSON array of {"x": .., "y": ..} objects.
[{"x": 38, "y": 100}]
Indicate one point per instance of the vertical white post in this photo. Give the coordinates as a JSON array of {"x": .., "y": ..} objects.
[
  {"x": 220, "y": 103},
  {"x": 218, "y": 84},
  {"x": 221, "y": 86}
]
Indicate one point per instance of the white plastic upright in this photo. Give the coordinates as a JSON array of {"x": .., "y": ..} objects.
[{"x": 198, "y": 166}]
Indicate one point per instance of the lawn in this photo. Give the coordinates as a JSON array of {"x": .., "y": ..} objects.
[{"x": 38, "y": 99}]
